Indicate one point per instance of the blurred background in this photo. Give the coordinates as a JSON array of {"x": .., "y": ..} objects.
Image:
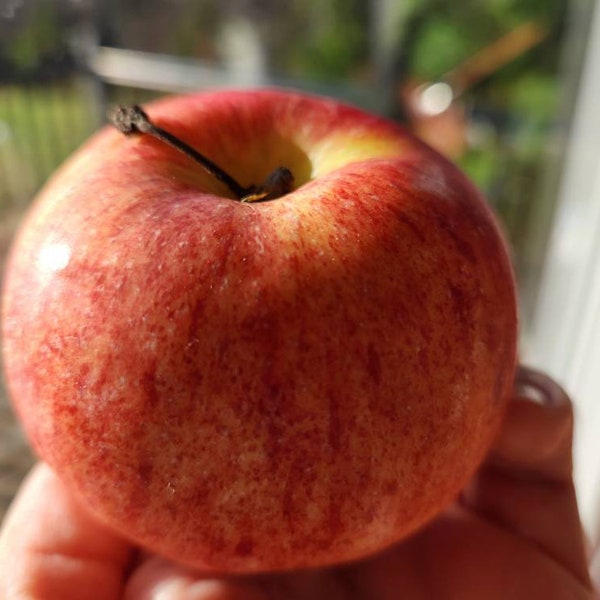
[{"x": 508, "y": 89}]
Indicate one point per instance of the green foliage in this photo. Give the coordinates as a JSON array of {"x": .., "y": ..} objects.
[
  {"x": 440, "y": 47},
  {"x": 448, "y": 34},
  {"x": 534, "y": 96},
  {"x": 334, "y": 41},
  {"x": 40, "y": 127},
  {"x": 40, "y": 37}
]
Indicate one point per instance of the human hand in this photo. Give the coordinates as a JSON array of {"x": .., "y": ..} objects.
[{"x": 514, "y": 533}]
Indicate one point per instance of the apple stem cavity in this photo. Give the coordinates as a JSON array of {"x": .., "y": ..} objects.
[{"x": 133, "y": 119}]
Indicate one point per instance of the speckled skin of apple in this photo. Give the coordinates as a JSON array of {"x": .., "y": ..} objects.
[{"x": 257, "y": 387}]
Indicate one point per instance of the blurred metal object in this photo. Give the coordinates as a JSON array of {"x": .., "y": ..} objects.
[
  {"x": 159, "y": 72},
  {"x": 171, "y": 74}
]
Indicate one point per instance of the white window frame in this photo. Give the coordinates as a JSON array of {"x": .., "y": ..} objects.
[{"x": 565, "y": 335}]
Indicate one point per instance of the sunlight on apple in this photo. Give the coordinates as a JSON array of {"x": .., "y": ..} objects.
[
  {"x": 335, "y": 152},
  {"x": 54, "y": 257}
]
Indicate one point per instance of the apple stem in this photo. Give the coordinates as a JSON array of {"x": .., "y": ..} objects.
[{"x": 133, "y": 119}]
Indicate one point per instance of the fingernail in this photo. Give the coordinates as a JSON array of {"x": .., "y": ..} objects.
[{"x": 540, "y": 388}]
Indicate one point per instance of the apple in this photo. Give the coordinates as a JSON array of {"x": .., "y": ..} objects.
[{"x": 256, "y": 386}]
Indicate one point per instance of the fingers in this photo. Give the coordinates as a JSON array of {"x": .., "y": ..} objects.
[
  {"x": 158, "y": 579},
  {"x": 526, "y": 485},
  {"x": 537, "y": 435},
  {"x": 50, "y": 548}
]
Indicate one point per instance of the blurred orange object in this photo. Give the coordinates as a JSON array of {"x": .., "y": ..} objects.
[
  {"x": 434, "y": 110},
  {"x": 436, "y": 117}
]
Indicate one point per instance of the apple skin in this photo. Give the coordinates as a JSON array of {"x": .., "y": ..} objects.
[{"x": 258, "y": 387}]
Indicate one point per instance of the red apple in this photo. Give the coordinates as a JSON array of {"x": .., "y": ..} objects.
[{"x": 243, "y": 386}]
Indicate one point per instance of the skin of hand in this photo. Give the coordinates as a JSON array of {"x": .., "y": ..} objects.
[{"x": 514, "y": 533}]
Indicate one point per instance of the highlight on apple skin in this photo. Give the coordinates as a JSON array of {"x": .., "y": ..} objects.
[{"x": 248, "y": 387}]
